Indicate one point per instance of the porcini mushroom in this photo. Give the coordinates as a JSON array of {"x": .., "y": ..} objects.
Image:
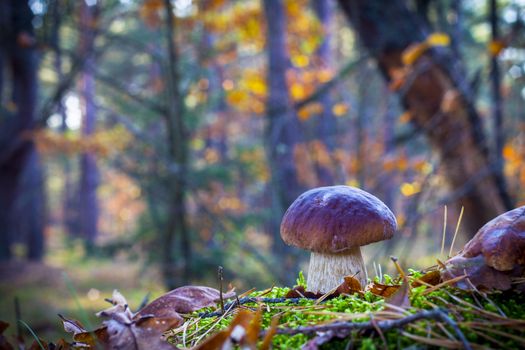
[
  {"x": 501, "y": 241},
  {"x": 333, "y": 223},
  {"x": 494, "y": 255}
]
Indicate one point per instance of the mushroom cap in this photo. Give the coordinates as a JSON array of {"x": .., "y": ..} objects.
[
  {"x": 336, "y": 218},
  {"x": 501, "y": 241}
]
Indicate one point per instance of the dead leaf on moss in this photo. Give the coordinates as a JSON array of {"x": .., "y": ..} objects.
[
  {"x": 400, "y": 297},
  {"x": 432, "y": 277},
  {"x": 123, "y": 329},
  {"x": 183, "y": 300},
  {"x": 383, "y": 290},
  {"x": 350, "y": 285},
  {"x": 243, "y": 331}
]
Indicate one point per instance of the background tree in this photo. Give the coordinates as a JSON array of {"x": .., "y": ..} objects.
[
  {"x": 439, "y": 100},
  {"x": 18, "y": 54}
]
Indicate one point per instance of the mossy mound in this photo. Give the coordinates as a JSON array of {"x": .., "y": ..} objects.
[{"x": 450, "y": 318}]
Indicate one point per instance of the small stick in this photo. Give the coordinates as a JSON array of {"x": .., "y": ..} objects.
[
  {"x": 144, "y": 301},
  {"x": 247, "y": 300},
  {"x": 386, "y": 325},
  {"x": 456, "y": 232},
  {"x": 220, "y": 275},
  {"x": 378, "y": 330},
  {"x": 398, "y": 267}
]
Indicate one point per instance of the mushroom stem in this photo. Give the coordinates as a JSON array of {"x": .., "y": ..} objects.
[{"x": 326, "y": 271}]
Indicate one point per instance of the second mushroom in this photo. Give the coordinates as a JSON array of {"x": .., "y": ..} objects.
[{"x": 333, "y": 223}]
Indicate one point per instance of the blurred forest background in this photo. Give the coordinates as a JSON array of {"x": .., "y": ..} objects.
[{"x": 143, "y": 143}]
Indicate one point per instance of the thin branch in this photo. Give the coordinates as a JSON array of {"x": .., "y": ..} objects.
[
  {"x": 247, "y": 300},
  {"x": 386, "y": 325},
  {"x": 115, "y": 85},
  {"x": 326, "y": 87}
]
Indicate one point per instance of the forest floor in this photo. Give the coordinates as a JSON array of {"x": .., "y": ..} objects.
[{"x": 70, "y": 285}]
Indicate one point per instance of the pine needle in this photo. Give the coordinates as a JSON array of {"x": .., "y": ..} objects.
[
  {"x": 444, "y": 232},
  {"x": 456, "y": 232}
]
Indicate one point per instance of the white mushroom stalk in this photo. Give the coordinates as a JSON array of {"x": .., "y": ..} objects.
[{"x": 326, "y": 270}]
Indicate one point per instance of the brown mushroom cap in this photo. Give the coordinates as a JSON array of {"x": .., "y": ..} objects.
[
  {"x": 336, "y": 218},
  {"x": 501, "y": 241}
]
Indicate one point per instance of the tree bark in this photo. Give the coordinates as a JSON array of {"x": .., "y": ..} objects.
[
  {"x": 282, "y": 130},
  {"x": 497, "y": 103},
  {"x": 31, "y": 208},
  {"x": 438, "y": 97},
  {"x": 15, "y": 148},
  {"x": 176, "y": 271},
  {"x": 327, "y": 123},
  {"x": 89, "y": 176}
]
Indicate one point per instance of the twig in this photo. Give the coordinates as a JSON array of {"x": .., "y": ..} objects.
[
  {"x": 386, "y": 325},
  {"x": 144, "y": 301},
  {"x": 247, "y": 300},
  {"x": 220, "y": 271}
]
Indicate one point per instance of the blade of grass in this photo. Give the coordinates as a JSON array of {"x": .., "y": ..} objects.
[
  {"x": 73, "y": 292},
  {"x": 33, "y": 334}
]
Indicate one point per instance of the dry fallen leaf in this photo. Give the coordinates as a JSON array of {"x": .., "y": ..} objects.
[
  {"x": 350, "y": 285},
  {"x": 183, "y": 300},
  {"x": 384, "y": 290},
  {"x": 241, "y": 331},
  {"x": 400, "y": 297},
  {"x": 123, "y": 329},
  {"x": 432, "y": 277},
  {"x": 4, "y": 344}
]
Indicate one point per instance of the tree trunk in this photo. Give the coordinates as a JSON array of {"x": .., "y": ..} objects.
[
  {"x": 31, "y": 208},
  {"x": 89, "y": 176},
  {"x": 327, "y": 122},
  {"x": 282, "y": 130},
  {"x": 15, "y": 149},
  {"x": 497, "y": 103},
  {"x": 437, "y": 96},
  {"x": 175, "y": 271}
]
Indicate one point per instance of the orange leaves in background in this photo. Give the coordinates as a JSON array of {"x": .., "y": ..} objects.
[
  {"x": 304, "y": 30},
  {"x": 411, "y": 54},
  {"x": 309, "y": 110},
  {"x": 410, "y": 188},
  {"x": 495, "y": 47},
  {"x": 150, "y": 12},
  {"x": 414, "y": 51},
  {"x": 121, "y": 204},
  {"x": 220, "y": 201},
  {"x": 103, "y": 143},
  {"x": 238, "y": 25},
  {"x": 248, "y": 94},
  {"x": 514, "y": 157},
  {"x": 308, "y": 156},
  {"x": 340, "y": 109},
  {"x": 303, "y": 83}
]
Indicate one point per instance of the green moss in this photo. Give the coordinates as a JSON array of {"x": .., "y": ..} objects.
[{"x": 307, "y": 312}]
